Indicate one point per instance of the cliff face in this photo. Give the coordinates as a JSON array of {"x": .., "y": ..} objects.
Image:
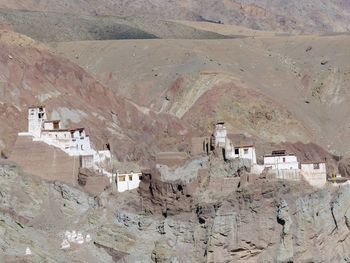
[{"x": 265, "y": 221}]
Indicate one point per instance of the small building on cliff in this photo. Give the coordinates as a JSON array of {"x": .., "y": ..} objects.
[
  {"x": 219, "y": 135},
  {"x": 281, "y": 160},
  {"x": 284, "y": 165},
  {"x": 127, "y": 181},
  {"x": 242, "y": 151}
]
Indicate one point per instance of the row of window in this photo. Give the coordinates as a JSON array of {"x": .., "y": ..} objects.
[
  {"x": 122, "y": 178},
  {"x": 244, "y": 150}
]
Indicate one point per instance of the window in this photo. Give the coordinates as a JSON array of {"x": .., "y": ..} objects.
[
  {"x": 245, "y": 151},
  {"x": 236, "y": 151},
  {"x": 121, "y": 178},
  {"x": 81, "y": 146},
  {"x": 130, "y": 177},
  {"x": 316, "y": 166},
  {"x": 284, "y": 159}
]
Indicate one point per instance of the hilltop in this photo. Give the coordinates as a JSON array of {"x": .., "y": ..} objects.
[{"x": 306, "y": 16}]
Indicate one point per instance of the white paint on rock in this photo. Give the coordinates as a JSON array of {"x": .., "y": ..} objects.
[{"x": 28, "y": 251}]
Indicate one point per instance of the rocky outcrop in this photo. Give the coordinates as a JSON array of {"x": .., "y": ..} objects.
[
  {"x": 285, "y": 250},
  {"x": 92, "y": 182},
  {"x": 344, "y": 167},
  {"x": 263, "y": 221},
  {"x": 169, "y": 198}
]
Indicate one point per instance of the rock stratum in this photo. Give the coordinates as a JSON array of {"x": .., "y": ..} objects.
[{"x": 212, "y": 219}]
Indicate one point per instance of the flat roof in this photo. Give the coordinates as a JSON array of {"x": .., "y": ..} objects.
[
  {"x": 77, "y": 129},
  {"x": 279, "y": 155},
  {"x": 52, "y": 121},
  {"x": 56, "y": 130},
  {"x": 312, "y": 162},
  {"x": 244, "y": 146},
  {"x": 40, "y": 106}
]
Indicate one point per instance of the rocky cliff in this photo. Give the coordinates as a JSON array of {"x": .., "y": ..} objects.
[{"x": 265, "y": 221}]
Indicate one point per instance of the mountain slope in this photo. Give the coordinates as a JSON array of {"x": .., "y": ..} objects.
[
  {"x": 31, "y": 75},
  {"x": 56, "y": 27},
  {"x": 300, "y": 76},
  {"x": 290, "y": 16}
]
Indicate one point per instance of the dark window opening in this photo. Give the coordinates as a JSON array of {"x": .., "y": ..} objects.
[{"x": 237, "y": 151}]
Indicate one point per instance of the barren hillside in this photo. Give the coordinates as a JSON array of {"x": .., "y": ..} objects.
[
  {"x": 276, "y": 88},
  {"x": 290, "y": 16},
  {"x": 31, "y": 75}
]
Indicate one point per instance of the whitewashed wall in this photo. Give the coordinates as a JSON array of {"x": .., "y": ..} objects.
[
  {"x": 315, "y": 177},
  {"x": 243, "y": 153},
  {"x": 287, "y": 174},
  {"x": 220, "y": 135},
  {"x": 128, "y": 184},
  {"x": 277, "y": 163},
  {"x": 34, "y": 122}
]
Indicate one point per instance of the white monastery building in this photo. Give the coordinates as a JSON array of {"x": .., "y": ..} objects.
[
  {"x": 127, "y": 182},
  {"x": 74, "y": 142},
  {"x": 279, "y": 163},
  {"x": 220, "y": 135},
  {"x": 283, "y": 165},
  {"x": 240, "y": 151},
  {"x": 280, "y": 160}
]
